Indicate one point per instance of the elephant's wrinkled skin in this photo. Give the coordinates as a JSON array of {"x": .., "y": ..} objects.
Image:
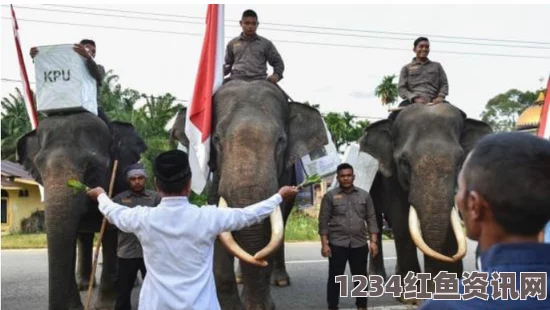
[
  {"x": 257, "y": 137},
  {"x": 419, "y": 156},
  {"x": 77, "y": 146}
]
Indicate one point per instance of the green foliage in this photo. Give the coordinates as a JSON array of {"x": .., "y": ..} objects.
[
  {"x": 301, "y": 227},
  {"x": 77, "y": 186},
  {"x": 502, "y": 111},
  {"x": 344, "y": 128},
  {"x": 387, "y": 90}
]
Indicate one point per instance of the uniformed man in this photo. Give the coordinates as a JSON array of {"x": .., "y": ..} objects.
[
  {"x": 346, "y": 214},
  {"x": 129, "y": 252},
  {"x": 246, "y": 55},
  {"x": 422, "y": 80}
]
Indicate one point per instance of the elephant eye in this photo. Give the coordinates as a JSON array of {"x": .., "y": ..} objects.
[{"x": 405, "y": 164}]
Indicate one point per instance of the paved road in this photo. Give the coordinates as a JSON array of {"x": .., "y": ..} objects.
[{"x": 25, "y": 279}]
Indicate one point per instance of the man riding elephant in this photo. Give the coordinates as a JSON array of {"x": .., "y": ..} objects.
[{"x": 422, "y": 80}]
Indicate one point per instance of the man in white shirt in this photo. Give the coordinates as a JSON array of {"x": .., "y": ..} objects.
[{"x": 178, "y": 237}]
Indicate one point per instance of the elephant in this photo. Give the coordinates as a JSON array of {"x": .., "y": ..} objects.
[
  {"x": 257, "y": 136},
  {"x": 78, "y": 146},
  {"x": 419, "y": 156}
]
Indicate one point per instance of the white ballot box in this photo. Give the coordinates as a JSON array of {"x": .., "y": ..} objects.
[
  {"x": 63, "y": 83},
  {"x": 364, "y": 167},
  {"x": 323, "y": 160}
]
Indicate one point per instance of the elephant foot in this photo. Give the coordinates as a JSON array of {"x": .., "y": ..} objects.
[
  {"x": 410, "y": 301},
  {"x": 83, "y": 284},
  {"x": 280, "y": 278}
]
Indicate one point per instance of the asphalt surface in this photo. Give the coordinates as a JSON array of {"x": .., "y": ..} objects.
[{"x": 25, "y": 279}]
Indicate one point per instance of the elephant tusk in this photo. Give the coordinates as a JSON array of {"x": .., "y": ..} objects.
[
  {"x": 460, "y": 235},
  {"x": 277, "y": 232},
  {"x": 231, "y": 245},
  {"x": 416, "y": 235}
]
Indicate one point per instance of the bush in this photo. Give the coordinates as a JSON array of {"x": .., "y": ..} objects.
[{"x": 33, "y": 224}]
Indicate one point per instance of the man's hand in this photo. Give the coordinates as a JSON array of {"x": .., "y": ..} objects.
[
  {"x": 95, "y": 192},
  {"x": 439, "y": 100},
  {"x": 325, "y": 250},
  {"x": 373, "y": 248},
  {"x": 288, "y": 192},
  {"x": 273, "y": 78},
  {"x": 34, "y": 51},
  {"x": 82, "y": 51},
  {"x": 419, "y": 100}
]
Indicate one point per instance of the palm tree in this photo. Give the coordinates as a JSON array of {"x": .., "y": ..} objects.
[
  {"x": 387, "y": 90},
  {"x": 15, "y": 123}
]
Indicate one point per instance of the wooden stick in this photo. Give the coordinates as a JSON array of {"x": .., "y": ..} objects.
[{"x": 101, "y": 232}]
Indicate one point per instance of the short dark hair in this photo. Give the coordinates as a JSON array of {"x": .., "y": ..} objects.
[
  {"x": 343, "y": 166},
  {"x": 171, "y": 187},
  {"x": 249, "y": 13},
  {"x": 511, "y": 171},
  {"x": 87, "y": 41},
  {"x": 420, "y": 39}
]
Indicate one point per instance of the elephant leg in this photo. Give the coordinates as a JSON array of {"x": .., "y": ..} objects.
[
  {"x": 107, "y": 294},
  {"x": 279, "y": 275},
  {"x": 376, "y": 264},
  {"x": 226, "y": 287},
  {"x": 84, "y": 253}
]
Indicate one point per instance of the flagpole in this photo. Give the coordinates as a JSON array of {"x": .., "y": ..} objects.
[{"x": 31, "y": 107}]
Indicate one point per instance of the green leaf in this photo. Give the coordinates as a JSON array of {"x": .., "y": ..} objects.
[{"x": 77, "y": 186}]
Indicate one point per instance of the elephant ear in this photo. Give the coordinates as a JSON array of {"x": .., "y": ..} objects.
[
  {"x": 27, "y": 149},
  {"x": 177, "y": 132},
  {"x": 127, "y": 143},
  {"x": 306, "y": 132},
  {"x": 473, "y": 131},
  {"x": 378, "y": 142}
]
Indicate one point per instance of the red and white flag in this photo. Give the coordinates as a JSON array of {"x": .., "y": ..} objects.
[
  {"x": 544, "y": 127},
  {"x": 198, "y": 124},
  {"x": 29, "y": 101}
]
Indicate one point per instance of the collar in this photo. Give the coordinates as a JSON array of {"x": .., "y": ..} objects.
[
  {"x": 341, "y": 190},
  {"x": 140, "y": 194},
  {"x": 174, "y": 201},
  {"x": 414, "y": 61},
  {"x": 509, "y": 254},
  {"x": 245, "y": 38}
]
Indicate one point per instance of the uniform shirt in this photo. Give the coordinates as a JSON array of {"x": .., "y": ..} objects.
[
  {"x": 178, "y": 247},
  {"x": 246, "y": 58},
  {"x": 427, "y": 79},
  {"x": 346, "y": 216},
  {"x": 505, "y": 257},
  {"x": 128, "y": 243}
]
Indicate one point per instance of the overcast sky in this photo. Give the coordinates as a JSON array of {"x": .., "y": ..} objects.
[{"x": 340, "y": 75}]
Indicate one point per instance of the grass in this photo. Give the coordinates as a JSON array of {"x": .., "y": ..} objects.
[
  {"x": 28, "y": 241},
  {"x": 301, "y": 228},
  {"x": 24, "y": 241}
]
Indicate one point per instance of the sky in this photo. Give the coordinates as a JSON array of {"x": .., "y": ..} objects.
[{"x": 339, "y": 70}]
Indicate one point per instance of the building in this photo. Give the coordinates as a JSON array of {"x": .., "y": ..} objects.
[
  {"x": 529, "y": 119},
  {"x": 20, "y": 196}
]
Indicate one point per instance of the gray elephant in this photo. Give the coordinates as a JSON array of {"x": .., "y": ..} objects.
[
  {"x": 420, "y": 154},
  {"x": 77, "y": 146},
  {"x": 257, "y": 137}
]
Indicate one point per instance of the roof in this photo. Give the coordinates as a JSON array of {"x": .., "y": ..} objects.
[
  {"x": 530, "y": 117},
  {"x": 11, "y": 169}
]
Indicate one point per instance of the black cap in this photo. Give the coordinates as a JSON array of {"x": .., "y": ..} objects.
[{"x": 172, "y": 167}]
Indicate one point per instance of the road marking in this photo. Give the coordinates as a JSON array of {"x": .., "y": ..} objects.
[{"x": 313, "y": 261}]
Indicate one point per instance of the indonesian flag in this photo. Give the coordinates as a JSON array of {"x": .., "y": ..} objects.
[
  {"x": 198, "y": 124},
  {"x": 544, "y": 127},
  {"x": 29, "y": 102}
]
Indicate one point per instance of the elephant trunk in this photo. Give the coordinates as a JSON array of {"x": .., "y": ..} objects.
[
  {"x": 432, "y": 217},
  {"x": 62, "y": 214}
]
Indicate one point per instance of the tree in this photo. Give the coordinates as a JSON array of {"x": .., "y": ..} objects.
[
  {"x": 502, "y": 111},
  {"x": 344, "y": 128},
  {"x": 387, "y": 90},
  {"x": 15, "y": 123}
]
